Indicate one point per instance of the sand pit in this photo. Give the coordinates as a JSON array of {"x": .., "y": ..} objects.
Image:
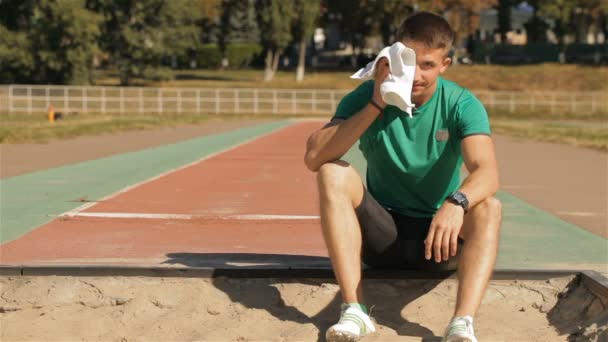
[{"x": 59, "y": 308}]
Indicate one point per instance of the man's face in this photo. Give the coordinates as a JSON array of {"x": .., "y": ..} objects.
[{"x": 430, "y": 63}]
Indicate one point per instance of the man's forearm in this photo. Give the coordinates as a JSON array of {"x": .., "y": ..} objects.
[
  {"x": 331, "y": 143},
  {"x": 480, "y": 184}
]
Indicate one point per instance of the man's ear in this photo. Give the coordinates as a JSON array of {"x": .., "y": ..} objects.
[{"x": 445, "y": 64}]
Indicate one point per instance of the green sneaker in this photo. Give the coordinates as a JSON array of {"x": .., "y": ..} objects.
[
  {"x": 460, "y": 329},
  {"x": 353, "y": 325}
]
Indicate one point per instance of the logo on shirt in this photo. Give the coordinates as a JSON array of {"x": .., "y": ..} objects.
[{"x": 442, "y": 135}]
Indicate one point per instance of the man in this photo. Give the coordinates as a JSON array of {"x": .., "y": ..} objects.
[{"x": 416, "y": 211}]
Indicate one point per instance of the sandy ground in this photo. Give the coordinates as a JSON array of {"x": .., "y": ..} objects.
[{"x": 222, "y": 309}]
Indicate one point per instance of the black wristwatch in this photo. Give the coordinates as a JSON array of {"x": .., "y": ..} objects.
[{"x": 460, "y": 199}]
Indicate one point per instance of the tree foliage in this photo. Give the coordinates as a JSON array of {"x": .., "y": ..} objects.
[
  {"x": 238, "y": 23},
  {"x": 304, "y": 26},
  {"x": 274, "y": 20},
  {"x": 463, "y": 15},
  {"x": 64, "y": 37},
  {"x": 16, "y": 59},
  {"x": 140, "y": 35},
  {"x": 394, "y": 12},
  {"x": 209, "y": 21},
  {"x": 57, "y": 41},
  {"x": 561, "y": 11},
  {"x": 48, "y": 41},
  {"x": 575, "y": 17}
]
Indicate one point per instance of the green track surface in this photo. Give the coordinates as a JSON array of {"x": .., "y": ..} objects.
[{"x": 30, "y": 200}]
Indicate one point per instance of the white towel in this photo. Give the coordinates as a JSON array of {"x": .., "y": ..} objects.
[{"x": 396, "y": 89}]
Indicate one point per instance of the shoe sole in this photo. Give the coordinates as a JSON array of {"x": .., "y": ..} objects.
[
  {"x": 339, "y": 336},
  {"x": 462, "y": 339}
]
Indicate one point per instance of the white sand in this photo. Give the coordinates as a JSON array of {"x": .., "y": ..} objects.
[{"x": 186, "y": 309}]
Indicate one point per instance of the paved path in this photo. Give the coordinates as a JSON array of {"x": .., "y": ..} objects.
[{"x": 569, "y": 182}]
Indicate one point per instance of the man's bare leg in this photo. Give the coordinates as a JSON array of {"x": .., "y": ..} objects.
[
  {"x": 340, "y": 191},
  {"x": 481, "y": 230}
]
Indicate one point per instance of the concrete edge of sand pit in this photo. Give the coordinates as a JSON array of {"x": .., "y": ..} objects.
[
  {"x": 596, "y": 283},
  {"x": 594, "y": 280}
]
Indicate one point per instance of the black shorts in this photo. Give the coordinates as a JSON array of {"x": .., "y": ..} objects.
[{"x": 393, "y": 240}]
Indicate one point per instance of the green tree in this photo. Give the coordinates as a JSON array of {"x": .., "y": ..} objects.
[
  {"x": 463, "y": 16},
  {"x": 394, "y": 12},
  {"x": 238, "y": 24},
  {"x": 209, "y": 22},
  {"x": 561, "y": 11},
  {"x": 304, "y": 26},
  {"x": 575, "y": 17},
  {"x": 16, "y": 60},
  {"x": 140, "y": 35},
  {"x": 274, "y": 20},
  {"x": 590, "y": 15},
  {"x": 536, "y": 29},
  {"x": 358, "y": 19},
  {"x": 64, "y": 39},
  {"x": 354, "y": 18},
  {"x": 16, "y": 15},
  {"x": 363, "y": 18},
  {"x": 48, "y": 41}
]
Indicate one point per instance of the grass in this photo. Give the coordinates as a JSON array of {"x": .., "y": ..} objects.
[
  {"x": 585, "y": 134},
  {"x": 36, "y": 129},
  {"x": 583, "y": 129},
  {"x": 538, "y": 77}
]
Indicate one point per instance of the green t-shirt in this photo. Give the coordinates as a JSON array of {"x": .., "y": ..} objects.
[{"x": 413, "y": 164}]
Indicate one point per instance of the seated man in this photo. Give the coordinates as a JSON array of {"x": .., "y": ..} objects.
[{"x": 415, "y": 212}]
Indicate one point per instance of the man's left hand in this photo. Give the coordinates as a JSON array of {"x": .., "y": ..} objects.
[{"x": 442, "y": 239}]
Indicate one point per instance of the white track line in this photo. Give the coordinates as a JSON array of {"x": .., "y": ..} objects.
[
  {"x": 254, "y": 217},
  {"x": 580, "y": 213},
  {"x": 131, "y": 187}
]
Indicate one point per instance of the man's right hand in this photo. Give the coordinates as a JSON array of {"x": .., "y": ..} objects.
[{"x": 382, "y": 71}]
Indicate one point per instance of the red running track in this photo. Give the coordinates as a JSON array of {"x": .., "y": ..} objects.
[{"x": 263, "y": 177}]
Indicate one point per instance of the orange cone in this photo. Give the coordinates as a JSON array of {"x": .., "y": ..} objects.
[{"x": 51, "y": 113}]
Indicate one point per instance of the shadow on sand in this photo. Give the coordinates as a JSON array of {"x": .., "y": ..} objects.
[{"x": 315, "y": 271}]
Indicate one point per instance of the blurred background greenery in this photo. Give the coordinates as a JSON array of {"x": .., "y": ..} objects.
[
  {"x": 501, "y": 45},
  {"x": 81, "y": 42}
]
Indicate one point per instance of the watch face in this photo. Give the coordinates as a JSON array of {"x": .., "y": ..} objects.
[{"x": 460, "y": 198}]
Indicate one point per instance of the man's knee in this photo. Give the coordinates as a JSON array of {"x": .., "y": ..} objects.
[
  {"x": 333, "y": 175},
  {"x": 490, "y": 212},
  {"x": 493, "y": 207},
  {"x": 336, "y": 179}
]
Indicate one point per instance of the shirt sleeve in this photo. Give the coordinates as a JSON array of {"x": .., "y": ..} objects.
[
  {"x": 473, "y": 117},
  {"x": 354, "y": 101}
]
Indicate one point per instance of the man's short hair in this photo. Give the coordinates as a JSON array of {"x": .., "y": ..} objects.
[{"x": 427, "y": 28}]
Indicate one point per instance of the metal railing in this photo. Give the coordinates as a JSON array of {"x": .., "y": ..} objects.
[
  {"x": 30, "y": 99},
  {"x": 549, "y": 101}
]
